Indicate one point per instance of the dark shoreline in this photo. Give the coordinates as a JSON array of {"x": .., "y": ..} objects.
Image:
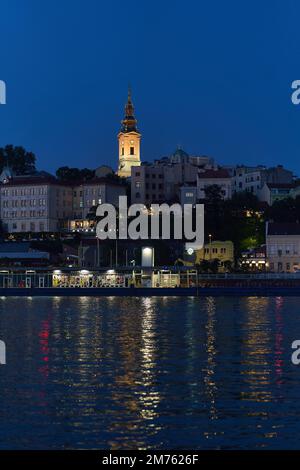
[{"x": 261, "y": 291}]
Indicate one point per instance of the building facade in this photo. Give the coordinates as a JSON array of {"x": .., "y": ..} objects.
[
  {"x": 252, "y": 179},
  {"x": 34, "y": 204},
  {"x": 283, "y": 247},
  {"x": 271, "y": 192},
  {"x": 44, "y": 204},
  {"x": 216, "y": 249},
  {"x": 162, "y": 180}
]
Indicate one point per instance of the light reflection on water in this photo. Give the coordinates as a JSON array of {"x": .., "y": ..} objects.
[{"x": 150, "y": 373}]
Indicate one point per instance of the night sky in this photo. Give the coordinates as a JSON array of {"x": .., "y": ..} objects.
[{"x": 211, "y": 76}]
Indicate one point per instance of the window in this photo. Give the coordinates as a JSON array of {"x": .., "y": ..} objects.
[
  {"x": 122, "y": 153},
  {"x": 137, "y": 195},
  {"x": 138, "y": 184},
  {"x": 131, "y": 150}
]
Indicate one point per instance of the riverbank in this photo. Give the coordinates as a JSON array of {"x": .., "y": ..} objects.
[{"x": 261, "y": 291}]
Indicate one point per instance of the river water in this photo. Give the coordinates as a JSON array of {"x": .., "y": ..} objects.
[{"x": 149, "y": 373}]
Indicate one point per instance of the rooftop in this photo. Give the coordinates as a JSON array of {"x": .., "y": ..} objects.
[{"x": 221, "y": 173}]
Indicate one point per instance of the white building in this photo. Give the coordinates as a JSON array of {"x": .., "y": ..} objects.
[
  {"x": 271, "y": 192},
  {"x": 94, "y": 192},
  {"x": 283, "y": 247},
  {"x": 34, "y": 204},
  {"x": 252, "y": 179},
  {"x": 246, "y": 179},
  {"x": 44, "y": 204}
]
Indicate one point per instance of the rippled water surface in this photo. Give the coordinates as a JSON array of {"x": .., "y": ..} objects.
[{"x": 149, "y": 373}]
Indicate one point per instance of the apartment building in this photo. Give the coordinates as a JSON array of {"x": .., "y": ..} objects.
[
  {"x": 89, "y": 195},
  {"x": 44, "y": 204},
  {"x": 283, "y": 247},
  {"x": 148, "y": 184},
  {"x": 252, "y": 179},
  {"x": 161, "y": 181},
  {"x": 271, "y": 192},
  {"x": 34, "y": 204}
]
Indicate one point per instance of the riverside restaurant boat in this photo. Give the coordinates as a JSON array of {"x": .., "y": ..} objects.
[{"x": 141, "y": 281}]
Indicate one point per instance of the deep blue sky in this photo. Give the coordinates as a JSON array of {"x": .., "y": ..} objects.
[{"x": 213, "y": 77}]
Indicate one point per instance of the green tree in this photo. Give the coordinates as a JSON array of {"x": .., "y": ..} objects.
[
  {"x": 204, "y": 266},
  {"x": 18, "y": 159},
  {"x": 68, "y": 174},
  {"x": 284, "y": 210},
  {"x": 242, "y": 201},
  {"x": 213, "y": 194},
  {"x": 214, "y": 265}
]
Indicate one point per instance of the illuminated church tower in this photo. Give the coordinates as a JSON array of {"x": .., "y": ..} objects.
[{"x": 129, "y": 141}]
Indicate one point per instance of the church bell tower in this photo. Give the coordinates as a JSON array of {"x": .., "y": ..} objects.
[{"x": 129, "y": 141}]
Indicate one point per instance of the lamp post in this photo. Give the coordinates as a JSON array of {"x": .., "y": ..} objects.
[{"x": 210, "y": 249}]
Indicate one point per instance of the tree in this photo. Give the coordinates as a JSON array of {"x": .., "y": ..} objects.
[
  {"x": 214, "y": 265},
  {"x": 228, "y": 265},
  {"x": 284, "y": 210},
  {"x": 68, "y": 174},
  {"x": 213, "y": 194},
  {"x": 18, "y": 159},
  {"x": 243, "y": 200},
  {"x": 204, "y": 266}
]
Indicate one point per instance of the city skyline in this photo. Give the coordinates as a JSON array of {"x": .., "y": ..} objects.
[{"x": 228, "y": 99}]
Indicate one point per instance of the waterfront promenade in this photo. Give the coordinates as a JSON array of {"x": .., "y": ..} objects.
[{"x": 140, "y": 282}]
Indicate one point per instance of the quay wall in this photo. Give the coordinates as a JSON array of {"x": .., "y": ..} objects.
[{"x": 263, "y": 291}]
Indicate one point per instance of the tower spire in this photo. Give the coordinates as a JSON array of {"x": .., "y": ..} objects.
[{"x": 129, "y": 122}]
